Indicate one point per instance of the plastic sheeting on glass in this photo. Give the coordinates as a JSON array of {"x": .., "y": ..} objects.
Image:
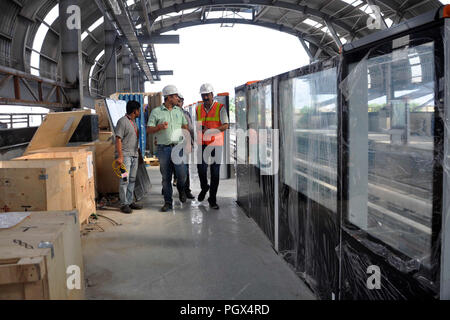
[
  {"x": 261, "y": 180},
  {"x": 265, "y": 133},
  {"x": 308, "y": 106},
  {"x": 308, "y": 164},
  {"x": 242, "y": 173},
  {"x": 391, "y": 144}
]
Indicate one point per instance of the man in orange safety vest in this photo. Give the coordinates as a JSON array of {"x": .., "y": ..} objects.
[{"x": 212, "y": 121}]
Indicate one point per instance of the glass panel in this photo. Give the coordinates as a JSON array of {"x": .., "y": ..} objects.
[
  {"x": 253, "y": 123},
  {"x": 391, "y": 148},
  {"x": 241, "y": 123},
  {"x": 286, "y": 97},
  {"x": 315, "y": 124},
  {"x": 264, "y": 133}
]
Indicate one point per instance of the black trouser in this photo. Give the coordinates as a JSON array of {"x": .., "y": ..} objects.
[{"x": 215, "y": 172}]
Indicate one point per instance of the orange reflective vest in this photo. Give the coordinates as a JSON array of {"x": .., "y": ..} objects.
[{"x": 210, "y": 120}]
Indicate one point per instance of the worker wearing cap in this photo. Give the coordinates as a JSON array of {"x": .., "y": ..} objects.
[
  {"x": 166, "y": 122},
  {"x": 212, "y": 120}
]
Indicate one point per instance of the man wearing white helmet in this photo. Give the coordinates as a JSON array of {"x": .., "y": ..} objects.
[
  {"x": 166, "y": 122},
  {"x": 212, "y": 119},
  {"x": 189, "y": 148}
]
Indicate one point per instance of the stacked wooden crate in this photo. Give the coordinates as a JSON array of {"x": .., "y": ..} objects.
[
  {"x": 23, "y": 189},
  {"x": 82, "y": 176},
  {"x": 38, "y": 185},
  {"x": 40, "y": 258},
  {"x": 106, "y": 179}
]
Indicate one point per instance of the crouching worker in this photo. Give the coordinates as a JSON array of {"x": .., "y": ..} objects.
[{"x": 127, "y": 142}]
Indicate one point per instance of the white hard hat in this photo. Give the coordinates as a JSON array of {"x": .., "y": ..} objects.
[
  {"x": 206, "y": 88},
  {"x": 180, "y": 96},
  {"x": 169, "y": 90}
]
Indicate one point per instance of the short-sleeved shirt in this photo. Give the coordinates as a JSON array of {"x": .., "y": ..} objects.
[
  {"x": 190, "y": 125},
  {"x": 127, "y": 133},
  {"x": 223, "y": 114},
  {"x": 175, "y": 118}
]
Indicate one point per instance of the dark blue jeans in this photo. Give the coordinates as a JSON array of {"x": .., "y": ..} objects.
[
  {"x": 167, "y": 168},
  {"x": 215, "y": 172}
]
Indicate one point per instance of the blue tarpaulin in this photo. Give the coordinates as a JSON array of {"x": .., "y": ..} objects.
[{"x": 139, "y": 121}]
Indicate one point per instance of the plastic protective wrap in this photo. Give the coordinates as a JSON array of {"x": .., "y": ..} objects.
[
  {"x": 308, "y": 162},
  {"x": 363, "y": 180},
  {"x": 392, "y": 182},
  {"x": 261, "y": 179},
  {"x": 11, "y": 219},
  {"x": 242, "y": 170}
]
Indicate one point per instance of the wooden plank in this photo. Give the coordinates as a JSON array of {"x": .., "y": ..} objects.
[
  {"x": 56, "y": 130},
  {"x": 25, "y": 270}
]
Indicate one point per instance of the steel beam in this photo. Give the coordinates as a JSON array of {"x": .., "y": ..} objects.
[
  {"x": 126, "y": 70},
  {"x": 141, "y": 83},
  {"x": 127, "y": 27},
  {"x": 333, "y": 33},
  {"x": 160, "y": 39},
  {"x": 110, "y": 59},
  {"x": 308, "y": 52},
  {"x": 134, "y": 76},
  {"x": 71, "y": 52},
  {"x": 165, "y": 72},
  {"x": 270, "y": 3}
]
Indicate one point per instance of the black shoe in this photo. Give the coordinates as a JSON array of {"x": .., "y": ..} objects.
[
  {"x": 183, "y": 197},
  {"x": 126, "y": 209},
  {"x": 189, "y": 195},
  {"x": 135, "y": 206},
  {"x": 202, "y": 195},
  {"x": 166, "y": 207},
  {"x": 214, "y": 205}
]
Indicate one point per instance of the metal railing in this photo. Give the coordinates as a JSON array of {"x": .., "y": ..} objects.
[{"x": 16, "y": 120}]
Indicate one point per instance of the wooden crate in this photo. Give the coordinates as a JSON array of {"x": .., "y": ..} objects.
[
  {"x": 154, "y": 162},
  {"x": 38, "y": 185},
  {"x": 40, "y": 273},
  {"x": 56, "y": 130},
  {"x": 107, "y": 181},
  {"x": 103, "y": 118},
  {"x": 106, "y": 136},
  {"x": 82, "y": 168},
  {"x": 82, "y": 148}
]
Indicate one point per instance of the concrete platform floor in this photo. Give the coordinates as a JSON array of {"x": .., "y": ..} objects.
[{"x": 193, "y": 252}]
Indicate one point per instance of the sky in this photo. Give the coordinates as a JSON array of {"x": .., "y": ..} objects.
[{"x": 225, "y": 57}]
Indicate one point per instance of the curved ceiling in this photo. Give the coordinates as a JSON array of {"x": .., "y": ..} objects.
[{"x": 321, "y": 25}]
